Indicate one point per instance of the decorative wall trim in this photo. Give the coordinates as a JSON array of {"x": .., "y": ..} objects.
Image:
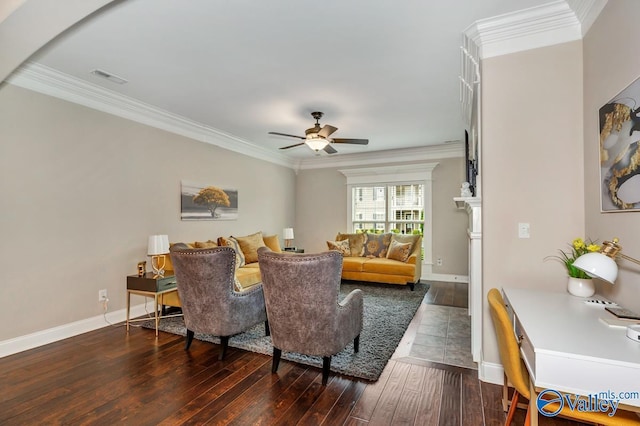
[
  {"x": 449, "y": 278},
  {"x": 540, "y": 26},
  {"x": 490, "y": 372},
  {"x": 390, "y": 174},
  {"x": 48, "y": 81},
  {"x": 44, "y": 337},
  {"x": 587, "y": 11},
  {"x": 422, "y": 154}
]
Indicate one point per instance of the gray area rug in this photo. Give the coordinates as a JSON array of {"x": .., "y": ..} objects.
[{"x": 388, "y": 310}]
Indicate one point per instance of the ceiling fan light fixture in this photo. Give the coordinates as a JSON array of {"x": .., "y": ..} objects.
[
  {"x": 319, "y": 137},
  {"x": 316, "y": 143}
]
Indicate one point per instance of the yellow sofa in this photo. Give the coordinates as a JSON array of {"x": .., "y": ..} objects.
[
  {"x": 369, "y": 258},
  {"x": 247, "y": 275}
]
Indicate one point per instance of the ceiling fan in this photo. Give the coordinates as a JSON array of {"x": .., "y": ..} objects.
[{"x": 317, "y": 138}]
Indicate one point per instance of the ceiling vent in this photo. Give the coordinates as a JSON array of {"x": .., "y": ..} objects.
[{"x": 111, "y": 77}]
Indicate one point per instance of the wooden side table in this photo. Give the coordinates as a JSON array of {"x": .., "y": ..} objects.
[{"x": 150, "y": 285}]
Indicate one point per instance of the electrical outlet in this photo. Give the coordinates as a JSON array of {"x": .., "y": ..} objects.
[
  {"x": 102, "y": 295},
  {"x": 439, "y": 261}
]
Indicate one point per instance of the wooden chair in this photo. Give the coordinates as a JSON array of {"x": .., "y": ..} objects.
[{"x": 516, "y": 372}]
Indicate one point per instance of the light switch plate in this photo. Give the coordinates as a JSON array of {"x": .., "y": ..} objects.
[{"x": 523, "y": 230}]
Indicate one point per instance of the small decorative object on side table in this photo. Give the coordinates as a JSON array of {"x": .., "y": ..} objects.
[
  {"x": 150, "y": 285},
  {"x": 142, "y": 268},
  {"x": 293, "y": 250}
]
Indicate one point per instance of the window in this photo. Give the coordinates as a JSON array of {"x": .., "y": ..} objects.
[
  {"x": 392, "y": 198},
  {"x": 402, "y": 204}
]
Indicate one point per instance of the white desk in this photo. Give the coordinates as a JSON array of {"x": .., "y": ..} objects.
[{"x": 567, "y": 348}]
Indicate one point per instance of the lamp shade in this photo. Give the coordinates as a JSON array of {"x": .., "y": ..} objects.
[
  {"x": 598, "y": 265},
  {"x": 158, "y": 244},
  {"x": 287, "y": 233}
]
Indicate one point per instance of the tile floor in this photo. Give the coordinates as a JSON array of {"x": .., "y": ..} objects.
[
  {"x": 444, "y": 335},
  {"x": 441, "y": 329}
]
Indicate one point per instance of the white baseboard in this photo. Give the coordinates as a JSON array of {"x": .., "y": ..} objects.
[
  {"x": 446, "y": 278},
  {"x": 491, "y": 373},
  {"x": 43, "y": 337}
]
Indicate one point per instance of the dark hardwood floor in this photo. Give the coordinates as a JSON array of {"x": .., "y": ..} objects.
[{"x": 110, "y": 377}]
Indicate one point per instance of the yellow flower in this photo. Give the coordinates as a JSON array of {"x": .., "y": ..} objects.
[
  {"x": 593, "y": 248},
  {"x": 578, "y": 244}
]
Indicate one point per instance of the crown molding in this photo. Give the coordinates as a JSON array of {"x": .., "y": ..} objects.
[
  {"x": 587, "y": 11},
  {"x": 406, "y": 155},
  {"x": 48, "y": 81},
  {"x": 552, "y": 23}
]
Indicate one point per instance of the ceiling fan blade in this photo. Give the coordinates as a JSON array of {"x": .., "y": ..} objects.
[
  {"x": 329, "y": 149},
  {"x": 326, "y": 131},
  {"x": 284, "y": 134},
  {"x": 352, "y": 141},
  {"x": 292, "y": 146}
]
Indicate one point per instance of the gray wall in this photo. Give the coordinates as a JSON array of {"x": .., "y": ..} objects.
[
  {"x": 321, "y": 212},
  {"x": 532, "y": 169},
  {"x": 82, "y": 190}
]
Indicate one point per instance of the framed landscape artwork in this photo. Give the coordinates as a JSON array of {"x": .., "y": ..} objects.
[
  {"x": 620, "y": 151},
  {"x": 207, "y": 202}
]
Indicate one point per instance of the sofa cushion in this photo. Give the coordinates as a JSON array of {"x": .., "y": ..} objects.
[
  {"x": 205, "y": 244},
  {"x": 250, "y": 245},
  {"x": 247, "y": 278},
  {"x": 341, "y": 246},
  {"x": 356, "y": 242},
  {"x": 233, "y": 243},
  {"x": 377, "y": 245},
  {"x": 399, "y": 251},
  {"x": 353, "y": 264},
  {"x": 388, "y": 267},
  {"x": 273, "y": 242}
]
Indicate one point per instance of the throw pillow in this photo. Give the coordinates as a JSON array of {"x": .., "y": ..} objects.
[
  {"x": 273, "y": 242},
  {"x": 406, "y": 238},
  {"x": 250, "y": 245},
  {"x": 233, "y": 243},
  {"x": 377, "y": 245},
  {"x": 205, "y": 244},
  {"x": 341, "y": 246},
  {"x": 356, "y": 242},
  {"x": 399, "y": 251}
]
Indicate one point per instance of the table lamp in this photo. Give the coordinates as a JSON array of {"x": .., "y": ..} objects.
[
  {"x": 602, "y": 264},
  {"x": 288, "y": 236},
  {"x": 157, "y": 249}
]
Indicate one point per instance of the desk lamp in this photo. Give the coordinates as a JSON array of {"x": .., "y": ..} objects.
[
  {"x": 602, "y": 264},
  {"x": 157, "y": 249}
]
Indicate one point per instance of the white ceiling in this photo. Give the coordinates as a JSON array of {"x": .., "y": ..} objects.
[{"x": 382, "y": 70}]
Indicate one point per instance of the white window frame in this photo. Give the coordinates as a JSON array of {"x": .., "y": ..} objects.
[{"x": 395, "y": 175}]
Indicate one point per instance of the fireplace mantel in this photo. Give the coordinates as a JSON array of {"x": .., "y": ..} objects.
[{"x": 473, "y": 206}]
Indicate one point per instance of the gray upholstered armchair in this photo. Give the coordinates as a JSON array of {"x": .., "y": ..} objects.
[
  {"x": 210, "y": 304},
  {"x": 305, "y": 316}
]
